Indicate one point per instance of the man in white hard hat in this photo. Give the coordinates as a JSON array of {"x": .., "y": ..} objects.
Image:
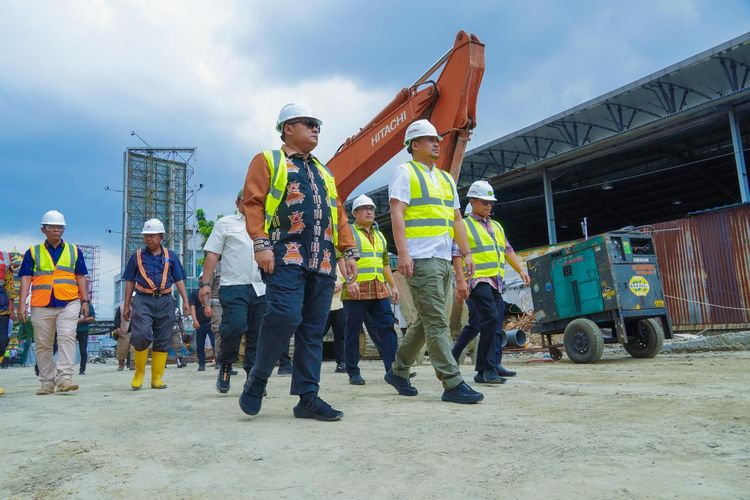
[
  {"x": 151, "y": 272},
  {"x": 369, "y": 293},
  {"x": 55, "y": 272},
  {"x": 299, "y": 229},
  {"x": 426, "y": 219},
  {"x": 491, "y": 250}
]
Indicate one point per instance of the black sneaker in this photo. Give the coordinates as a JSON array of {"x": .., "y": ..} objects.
[
  {"x": 252, "y": 396},
  {"x": 503, "y": 372},
  {"x": 402, "y": 385},
  {"x": 340, "y": 368},
  {"x": 201, "y": 368},
  {"x": 318, "y": 410},
  {"x": 222, "y": 381},
  {"x": 491, "y": 377},
  {"x": 462, "y": 394},
  {"x": 285, "y": 371},
  {"x": 356, "y": 379}
]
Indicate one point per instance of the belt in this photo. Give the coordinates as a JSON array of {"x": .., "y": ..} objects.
[{"x": 156, "y": 293}]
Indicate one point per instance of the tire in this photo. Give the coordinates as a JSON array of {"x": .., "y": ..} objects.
[
  {"x": 584, "y": 342},
  {"x": 555, "y": 353},
  {"x": 645, "y": 338}
]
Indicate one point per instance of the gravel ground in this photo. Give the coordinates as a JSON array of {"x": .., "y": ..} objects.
[{"x": 677, "y": 425}]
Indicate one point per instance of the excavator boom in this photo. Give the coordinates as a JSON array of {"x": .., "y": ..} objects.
[{"x": 449, "y": 103}]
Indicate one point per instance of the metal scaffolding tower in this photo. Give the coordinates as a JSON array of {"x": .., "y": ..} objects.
[
  {"x": 156, "y": 185},
  {"x": 91, "y": 256}
]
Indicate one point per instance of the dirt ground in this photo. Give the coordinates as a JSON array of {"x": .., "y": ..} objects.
[{"x": 674, "y": 426}]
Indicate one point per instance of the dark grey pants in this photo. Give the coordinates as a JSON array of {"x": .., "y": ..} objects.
[{"x": 152, "y": 320}]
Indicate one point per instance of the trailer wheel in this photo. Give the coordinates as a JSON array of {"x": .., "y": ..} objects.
[
  {"x": 584, "y": 342},
  {"x": 555, "y": 353},
  {"x": 645, "y": 338}
]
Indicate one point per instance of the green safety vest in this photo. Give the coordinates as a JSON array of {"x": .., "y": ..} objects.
[
  {"x": 370, "y": 263},
  {"x": 488, "y": 253},
  {"x": 430, "y": 211},
  {"x": 276, "y": 161}
]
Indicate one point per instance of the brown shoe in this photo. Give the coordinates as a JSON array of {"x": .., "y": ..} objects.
[
  {"x": 67, "y": 386},
  {"x": 45, "y": 389}
]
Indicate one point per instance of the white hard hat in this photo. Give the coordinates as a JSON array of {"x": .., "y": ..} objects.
[
  {"x": 153, "y": 226},
  {"x": 468, "y": 210},
  {"x": 362, "y": 201},
  {"x": 295, "y": 110},
  {"x": 54, "y": 218},
  {"x": 420, "y": 128},
  {"x": 481, "y": 190}
]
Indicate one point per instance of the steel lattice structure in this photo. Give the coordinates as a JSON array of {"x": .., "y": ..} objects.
[
  {"x": 91, "y": 256},
  {"x": 156, "y": 185}
]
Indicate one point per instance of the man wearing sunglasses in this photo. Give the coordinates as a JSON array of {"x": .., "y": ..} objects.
[
  {"x": 491, "y": 250},
  {"x": 299, "y": 230}
]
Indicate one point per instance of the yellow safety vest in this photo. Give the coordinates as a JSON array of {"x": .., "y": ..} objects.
[
  {"x": 49, "y": 277},
  {"x": 430, "y": 211},
  {"x": 276, "y": 161},
  {"x": 370, "y": 263},
  {"x": 488, "y": 253}
]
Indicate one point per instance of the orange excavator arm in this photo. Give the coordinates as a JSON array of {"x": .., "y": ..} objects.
[{"x": 449, "y": 103}]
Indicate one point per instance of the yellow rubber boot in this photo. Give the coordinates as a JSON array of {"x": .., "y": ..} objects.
[
  {"x": 2, "y": 391},
  {"x": 158, "y": 364},
  {"x": 141, "y": 358}
]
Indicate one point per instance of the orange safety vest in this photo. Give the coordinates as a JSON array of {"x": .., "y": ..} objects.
[
  {"x": 152, "y": 289},
  {"x": 49, "y": 277}
]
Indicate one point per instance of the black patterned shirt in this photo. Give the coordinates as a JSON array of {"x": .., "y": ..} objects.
[{"x": 301, "y": 231}]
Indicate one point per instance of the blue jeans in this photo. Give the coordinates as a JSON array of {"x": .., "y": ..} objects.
[
  {"x": 242, "y": 311},
  {"x": 203, "y": 331},
  {"x": 297, "y": 303},
  {"x": 382, "y": 320},
  {"x": 486, "y": 311}
]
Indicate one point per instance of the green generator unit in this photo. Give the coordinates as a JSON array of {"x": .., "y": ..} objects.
[{"x": 602, "y": 290}]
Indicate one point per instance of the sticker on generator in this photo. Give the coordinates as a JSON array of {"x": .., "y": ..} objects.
[
  {"x": 608, "y": 293},
  {"x": 639, "y": 286},
  {"x": 659, "y": 303}
]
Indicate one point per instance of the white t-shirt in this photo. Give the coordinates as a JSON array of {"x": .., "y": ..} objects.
[
  {"x": 400, "y": 189},
  {"x": 229, "y": 238}
]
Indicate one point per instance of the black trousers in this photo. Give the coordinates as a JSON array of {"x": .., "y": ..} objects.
[
  {"x": 203, "y": 331},
  {"x": 241, "y": 312},
  {"x": 4, "y": 337},
  {"x": 337, "y": 321},
  {"x": 83, "y": 348}
]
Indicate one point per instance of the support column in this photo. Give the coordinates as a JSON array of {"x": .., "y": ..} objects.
[
  {"x": 739, "y": 157},
  {"x": 550, "y": 206}
]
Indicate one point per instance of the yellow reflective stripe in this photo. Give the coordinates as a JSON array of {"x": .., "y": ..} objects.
[
  {"x": 485, "y": 265},
  {"x": 425, "y": 198},
  {"x": 478, "y": 246},
  {"x": 427, "y": 223}
]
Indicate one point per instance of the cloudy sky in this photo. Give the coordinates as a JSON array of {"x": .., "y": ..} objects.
[{"x": 77, "y": 76}]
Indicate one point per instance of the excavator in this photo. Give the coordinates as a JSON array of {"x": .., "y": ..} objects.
[{"x": 449, "y": 103}]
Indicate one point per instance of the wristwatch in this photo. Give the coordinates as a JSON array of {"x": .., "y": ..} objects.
[{"x": 201, "y": 284}]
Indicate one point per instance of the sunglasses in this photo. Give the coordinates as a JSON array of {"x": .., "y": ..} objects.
[{"x": 308, "y": 122}]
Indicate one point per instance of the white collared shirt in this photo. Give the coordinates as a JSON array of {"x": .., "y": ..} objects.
[
  {"x": 229, "y": 239},
  {"x": 422, "y": 248}
]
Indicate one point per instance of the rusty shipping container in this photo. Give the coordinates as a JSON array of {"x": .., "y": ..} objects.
[{"x": 704, "y": 261}]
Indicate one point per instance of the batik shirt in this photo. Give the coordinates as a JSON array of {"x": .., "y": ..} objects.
[{"x": 301, "y": 231}]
